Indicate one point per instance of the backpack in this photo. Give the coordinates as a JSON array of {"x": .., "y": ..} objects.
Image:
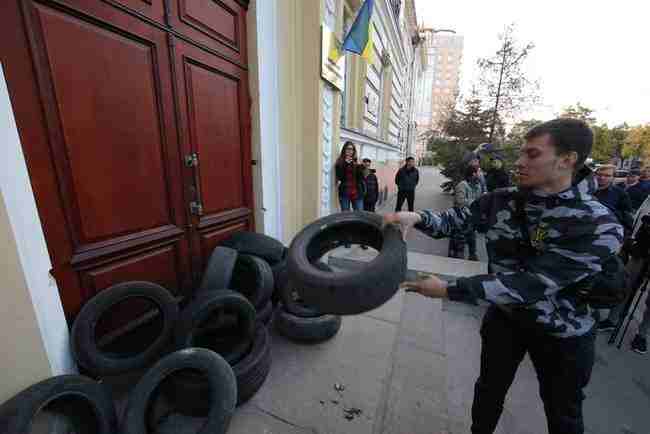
[{"x": 604, "y": 290}]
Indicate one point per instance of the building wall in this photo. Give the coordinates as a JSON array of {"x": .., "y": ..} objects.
[
  {"x": 33, "y": 330},
  {"x": 379, "y": 98}
]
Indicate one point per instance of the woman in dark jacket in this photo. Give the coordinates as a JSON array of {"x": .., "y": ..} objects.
[{"x": 349, "y": 178}]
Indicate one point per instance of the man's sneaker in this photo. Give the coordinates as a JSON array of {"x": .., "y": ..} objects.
[
  {"x": 606, "y": 326},
  {"x": 473, "y": 258},
  {"x": 639, "y": 344}
]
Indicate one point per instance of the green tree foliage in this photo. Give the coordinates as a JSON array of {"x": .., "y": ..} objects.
[
  {"x": 608, "y": 142},
  {"x": 463, "y": 131},
  {"x": 637, "y": 142},
  {"x": 603, "y": 148}
]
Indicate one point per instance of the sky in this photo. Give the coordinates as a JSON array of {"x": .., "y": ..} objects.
[{"x": 593, "y": 52}]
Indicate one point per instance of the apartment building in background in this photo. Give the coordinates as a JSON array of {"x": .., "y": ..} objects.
[{"x": 443, "y": 51}]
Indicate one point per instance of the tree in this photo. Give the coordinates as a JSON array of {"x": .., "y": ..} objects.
[
  {"x": 579, "y": 112},
  {"x": 519, "y": 130},
  {"x": 505, "y": 86},
  {"x": 462, "y": 132},
  {"x": 618, "y": 136},
  {"x": 606, "y": 143},
  {"x": 604, "y": 147},
  {"x": 637, "y": 143}
]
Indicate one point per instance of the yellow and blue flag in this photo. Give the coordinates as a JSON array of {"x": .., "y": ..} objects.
[{"x": 359, "y": 38}]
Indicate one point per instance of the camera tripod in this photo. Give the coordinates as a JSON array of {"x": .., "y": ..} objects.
[{"x": 643, "y": 279}]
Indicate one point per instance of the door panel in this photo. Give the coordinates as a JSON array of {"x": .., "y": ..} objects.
[
  {"x": 113, "y": 145},
  {"x": 215, "y": 123},
  {"x": 136, "y": 266},
  {"x": 218, "y": 24},
  {"x": 214, "y": 131},
  {"x": 152, "y": 9},
  {"x": 111, "y": 128}
]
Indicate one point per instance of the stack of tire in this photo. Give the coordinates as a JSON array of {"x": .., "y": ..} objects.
[
  {"x": 231, "y": 322},
  {"x": 86, "y": 400},
  {"x": 262, "y": 258}
]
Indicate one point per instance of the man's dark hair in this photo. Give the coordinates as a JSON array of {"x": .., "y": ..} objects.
[
  {"x": 367, "y": 160},
  {"x": 567, "y": 135},
  {"x": 409, "y": 158}
]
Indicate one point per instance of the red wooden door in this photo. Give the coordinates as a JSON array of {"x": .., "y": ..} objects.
[
  {"x": 97, "y": 98},
  {"x": 215, "y": 124},
  {"x": 105, "y": 162}
]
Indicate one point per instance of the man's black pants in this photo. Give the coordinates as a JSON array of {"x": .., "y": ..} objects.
[
  {"x": 369, "y": 206},
  {"x": 402, "y": 195},
  {"x": 563, "y": 369}
]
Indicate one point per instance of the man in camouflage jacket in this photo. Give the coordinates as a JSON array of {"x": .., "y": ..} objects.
[{"x": 533, "y": 308}]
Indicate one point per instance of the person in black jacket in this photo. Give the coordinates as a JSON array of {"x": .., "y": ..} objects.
[
  {"x": 349, "y": 178},
  {"x": 497, "y": 177},
  {"x": 636, "y": 189},
  {"x": 372, "y": 186},
  {"x": 613, "y": 197},
  {"x": 407, "y": 178}
]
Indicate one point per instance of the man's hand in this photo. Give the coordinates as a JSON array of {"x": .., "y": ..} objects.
[
  {"x": 404, "y": 219},
  {"x": 431, "y": 287}
]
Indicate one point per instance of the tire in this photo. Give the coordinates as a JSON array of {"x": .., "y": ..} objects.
[
  {"x": 294, "y": 304},
  {"x": 218, "y": 272},
  {"x": 18, "y": 413},
  {"x": 231, "y": 341},
  {"x": 265, "y": 314},
  {"x": 220, "y": 390},
  {"x": 84, "y": 346},
  {"x": 355, "y": 291},
  {"x": 307, "y": 330},
  {"x": 253, "y": 277},
  {"x": 188, "y": 393},
  {"x": 280, "y": 278},
  {"x": 260, "y": 245}
]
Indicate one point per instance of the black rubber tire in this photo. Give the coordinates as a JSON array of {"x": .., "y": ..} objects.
[
  {"x": 253, "y": 277},
  {"x": 265, "y": 314},
  {"x": 306, "y": 330},
  {"x": 218, "y": 272},
  {"x": 220, "y": 391},
  {"x": 84, "y": 347},
  {"x": 235, "y": 343},
  {"x": 354, "y": 291},
  {"x": 260, "y": 245},
  {"x": 280, "y": 277},
  {"x": 293, "y": 303},
  {"x": 17, "y": 414},
  {"x": 187, "y": 392}
]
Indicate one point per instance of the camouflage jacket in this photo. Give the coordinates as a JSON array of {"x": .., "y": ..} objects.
[{"x": 571, "y": 233}]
